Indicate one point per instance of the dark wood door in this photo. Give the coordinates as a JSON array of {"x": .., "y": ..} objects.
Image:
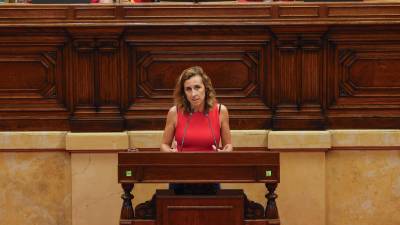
[{"x": 224, "y": 208}]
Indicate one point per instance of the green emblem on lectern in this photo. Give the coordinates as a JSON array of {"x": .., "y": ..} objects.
[
  {"x": 128, "y": 173},
  {"x": 268, "y": 173}
]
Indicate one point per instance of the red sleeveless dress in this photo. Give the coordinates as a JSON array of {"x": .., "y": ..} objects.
[{"x": 197, "y": 131}]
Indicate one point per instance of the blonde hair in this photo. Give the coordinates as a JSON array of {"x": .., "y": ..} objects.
[{"x": 179, "y": 93}]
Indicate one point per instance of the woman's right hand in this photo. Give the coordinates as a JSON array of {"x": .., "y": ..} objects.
[
  {"x": 227, "y": 148},
  {"x": 174, "y": 147},
  {"x": 167, "y": 148}
]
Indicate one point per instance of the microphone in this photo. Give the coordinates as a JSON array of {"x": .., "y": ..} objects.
[
  {"x": 187, "y": 125},
  {"x": 212, "y": 130},
  {"x": 185, "y": 130}
]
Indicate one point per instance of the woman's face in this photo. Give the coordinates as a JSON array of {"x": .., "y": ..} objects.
[{"x": 195, "y": 92}]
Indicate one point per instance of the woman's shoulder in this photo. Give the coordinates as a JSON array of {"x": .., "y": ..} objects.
[
  {"x": 173, "y": 109},
  {"x": 172, "y": 112},
  {"x": 221, "y": 108}
]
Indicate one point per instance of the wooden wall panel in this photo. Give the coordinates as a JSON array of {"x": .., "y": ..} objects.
[
  {"x": 26, "y": 13},
  {"x": 32, "y": 80},
  {"x": 298, "y": 78},
  {"x": 108, "y": 71},
  {"x": 237, "y": 70},
  {"x": 363, "y": 11},
  {"x": 287, "y": 74},
  {"x": 84, "y": 74},
  {"x": 95, "y": 13},
  {"x": 26, "y": 75},
  {"x": 281, "y": 67},
  {"x": 185, "y": 13},
  {"x": 311, "y": 73},
  {"x": 298, "y": 11},
  {"x": 364, "y": 79},
  {"x": 96, "y": 79}
]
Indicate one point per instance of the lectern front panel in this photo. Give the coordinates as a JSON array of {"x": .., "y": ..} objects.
[
  {"x": 141, "y": 167},
  {"x": 224, "y": 208}
]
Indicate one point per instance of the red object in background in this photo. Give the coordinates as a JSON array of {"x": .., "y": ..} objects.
[
  {"x": 251, "y": 0},
  {"x": 94, "y": 1}
]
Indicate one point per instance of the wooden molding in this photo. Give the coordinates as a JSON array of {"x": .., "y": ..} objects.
[
  {"x": 242, "y": 149},
  {"x": 298, "y": 66},
  {"x": 365, "y": 148}
]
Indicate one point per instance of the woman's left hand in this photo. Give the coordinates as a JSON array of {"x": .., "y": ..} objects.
[{"x": 227, "y": 148}]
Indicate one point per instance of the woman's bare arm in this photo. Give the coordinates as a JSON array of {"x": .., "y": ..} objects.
[
  {"x": 169, "y": 132},
  {"x": 225, "y": 130}
]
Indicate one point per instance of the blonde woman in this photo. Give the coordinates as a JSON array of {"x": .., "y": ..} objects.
[{"x": 196, "y": 122}]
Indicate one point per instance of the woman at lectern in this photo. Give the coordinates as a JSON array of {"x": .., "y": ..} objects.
[{"x": 196, "y": 122}]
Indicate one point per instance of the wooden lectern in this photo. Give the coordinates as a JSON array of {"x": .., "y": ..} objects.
[{"x": 226, "y": 207}]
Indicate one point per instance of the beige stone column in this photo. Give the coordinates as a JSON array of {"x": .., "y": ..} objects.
[
  {"x": 35, "y": 185},
  {"x": 363, "y": 177},
  {"x": 95, "y": 189},
  {"x": 301, "y": 192}
]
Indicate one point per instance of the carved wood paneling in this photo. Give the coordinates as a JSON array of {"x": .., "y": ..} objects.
[
  {"x": 295, "y": 13},
  {"x": 311, "y": 74},
  {"x": 199, "y": 12},
  {"x": 109, "y": 82},
  {"x": 298, "y": 11},
  {"x": 287, "y": 73},
  {"x": 156, "y": 78},
  {"x": 279, "y": 66},
  {"x": 370, "y": 72},
  {"x": 298, "y": 79},
  {"x": 236, "y": 69},
  {"x": 32, "y": 81},
  {"x": 364, "y": 80},
  {"x": 96, "y": 80},
  {"x": 42, "y": 12},
  {"x": 83, "y": 72},
  {"x": 96, "y": 13},
  {"x": 363, "y": 10},
  {"x": 27, "y": 75}
]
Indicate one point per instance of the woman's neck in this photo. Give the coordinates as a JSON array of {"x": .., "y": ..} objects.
[{"x": 199, "y": 108}]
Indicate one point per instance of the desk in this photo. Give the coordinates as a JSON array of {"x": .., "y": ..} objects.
[{"x": 196, "y": 167}]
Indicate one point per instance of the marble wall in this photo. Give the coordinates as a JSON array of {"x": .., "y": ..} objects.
[
  {"x": 35, "y": 188},
  {"x": 62, "y": 178},
  {"x": 363, "y": 187}
]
